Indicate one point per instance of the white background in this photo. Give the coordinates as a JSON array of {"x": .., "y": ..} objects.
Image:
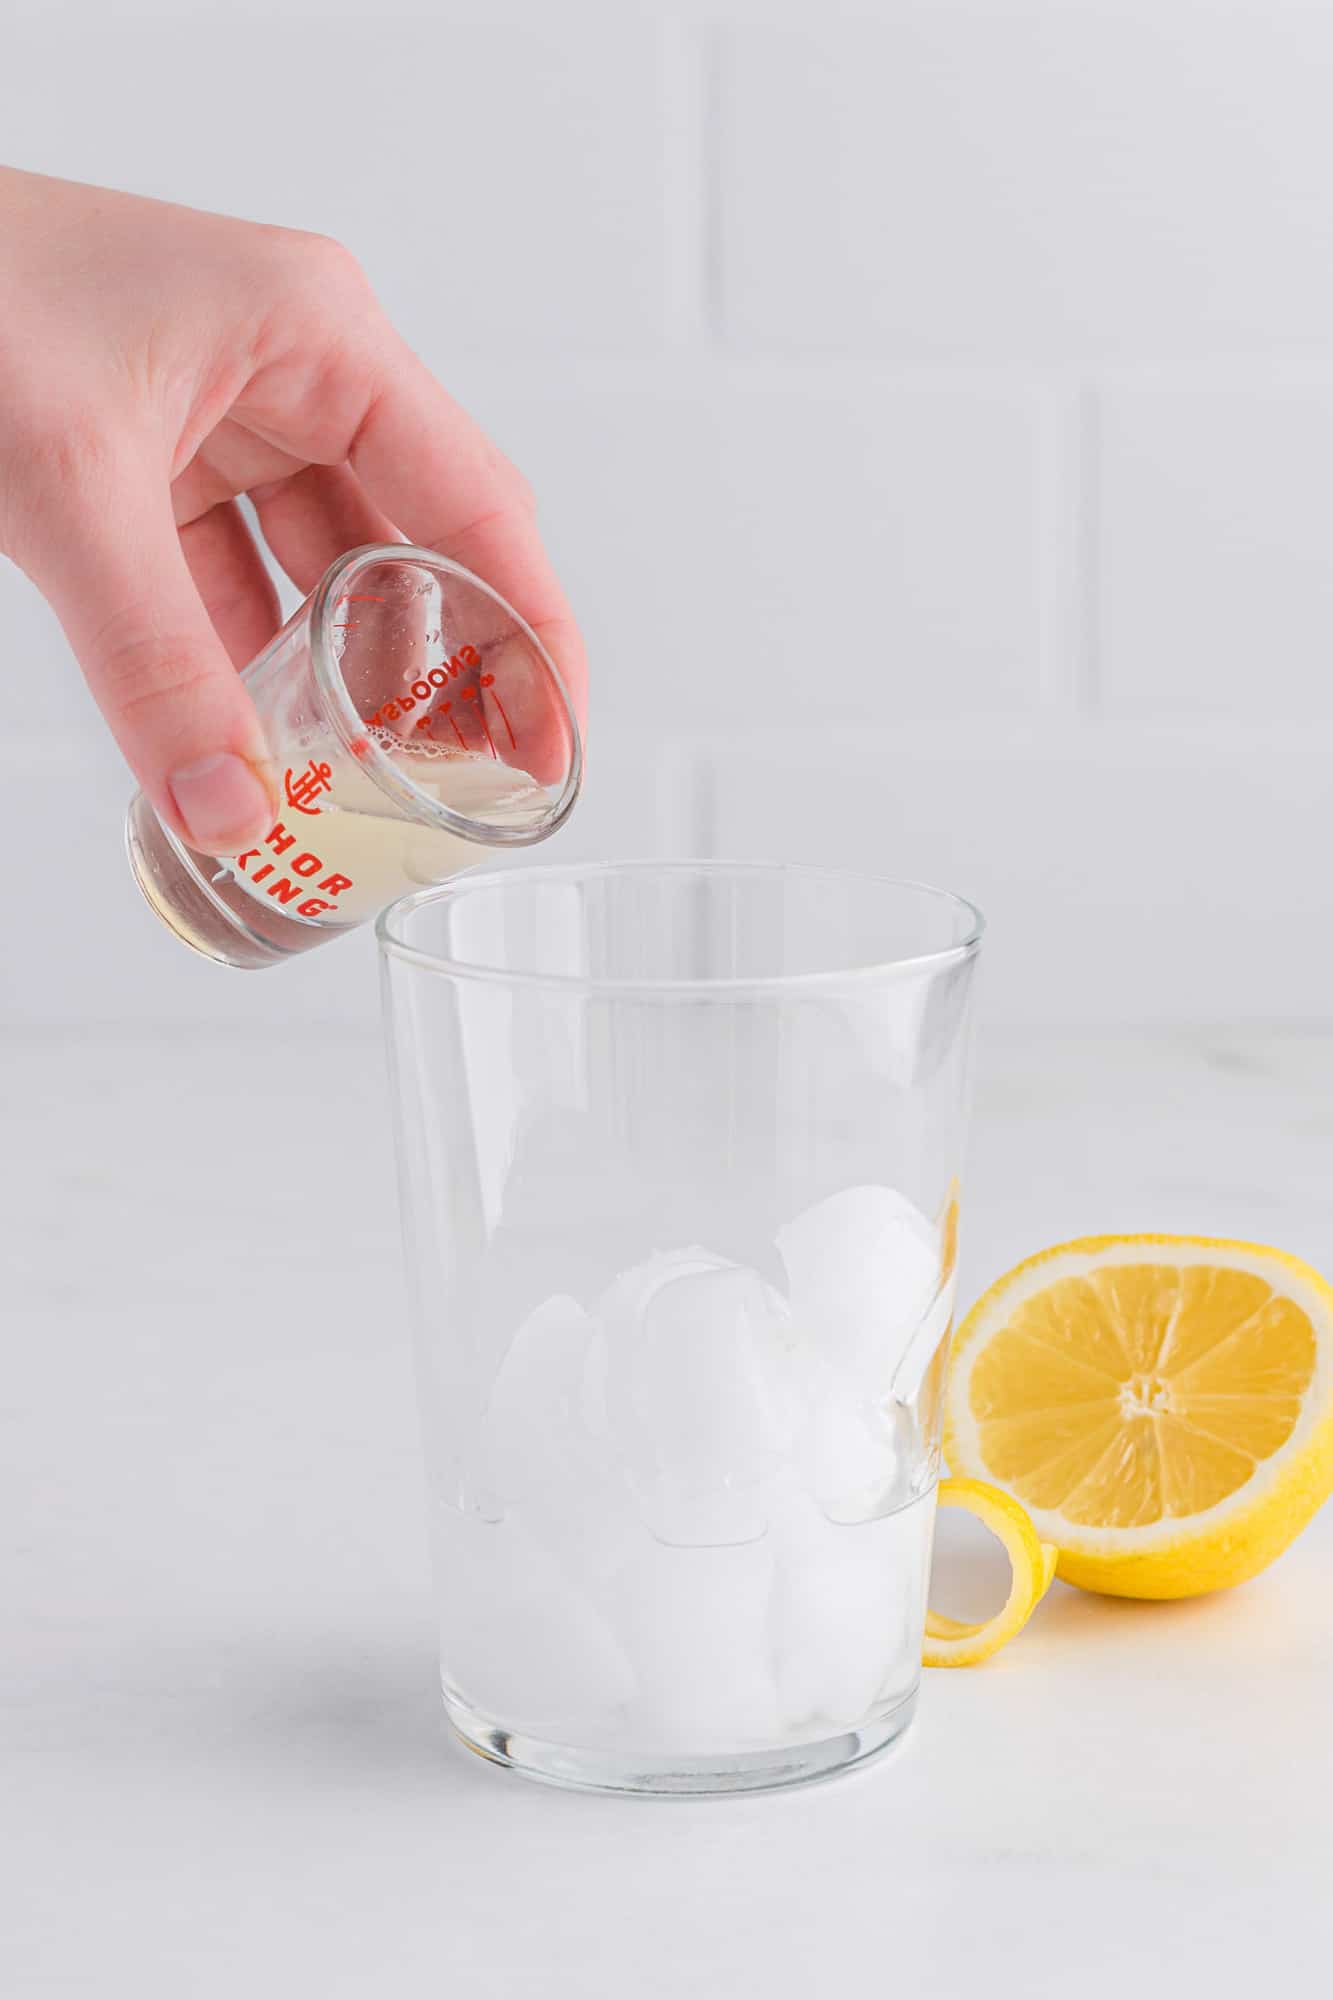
[{"x": 931, "y": 411}]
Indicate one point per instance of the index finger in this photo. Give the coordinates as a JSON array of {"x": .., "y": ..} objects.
[{"x": 438, "y": 477}]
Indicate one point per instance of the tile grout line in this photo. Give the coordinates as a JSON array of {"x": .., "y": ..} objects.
[
  {"x": 1088, "y": 663},
  {"x": 1064, "y": 670},
  {"x": 710, "y": 68},
  {"x": 702, "y": 813},
  {"x": 684, "y": 86}
]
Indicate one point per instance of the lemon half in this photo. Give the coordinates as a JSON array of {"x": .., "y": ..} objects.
[{"x": 1161, "y": 1406}]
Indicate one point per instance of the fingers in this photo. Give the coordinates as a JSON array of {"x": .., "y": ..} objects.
[
  {"x": 315, "y": 516},
  {"x": 312, "y": 517},
  {"x": 234, "y": 587},
  {"x": 346, "y": 387},
  {"x": 425, "y": 463},
  {"x": 107, "y": 557}
]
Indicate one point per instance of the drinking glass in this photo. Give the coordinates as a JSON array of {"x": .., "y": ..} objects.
[{"x": 679, "y": 1151}]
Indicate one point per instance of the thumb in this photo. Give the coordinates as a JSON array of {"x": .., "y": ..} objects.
[{"x": 105, "y": 553}]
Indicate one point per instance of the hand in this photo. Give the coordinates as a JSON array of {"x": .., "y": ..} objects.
[{"x": 155, "y": 362}]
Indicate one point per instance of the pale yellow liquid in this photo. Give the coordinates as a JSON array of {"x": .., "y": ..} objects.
[{"x": 357, "y": 835}]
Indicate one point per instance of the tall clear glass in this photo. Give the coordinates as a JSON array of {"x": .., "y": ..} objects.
[{"x": 680, "y": 1148}]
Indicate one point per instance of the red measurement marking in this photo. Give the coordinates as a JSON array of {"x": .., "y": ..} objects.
[
  {"x": 350, "y": 626},
  {"x": 453, "y": 724},
  {"x": 474, "y": 694},
  {"x": 488, "y": 681},
  {"x": 363, "y": 597},
  {"x": 513, "y": 740},
  {"x": 359, "y": 746}
]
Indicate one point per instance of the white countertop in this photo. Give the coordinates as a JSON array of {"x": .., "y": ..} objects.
[{"x": 224, "y": 1769}]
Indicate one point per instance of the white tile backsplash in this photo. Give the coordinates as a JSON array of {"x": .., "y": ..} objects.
[
  {"x": 1045, "y": 182},
  {"x": 1215, "y": 547},
  {"x": 1126, "y": 873},
  {"x": 501, "y": 182},
  {"x": 929, "y": 411},
  {"x": 747, "y": 547}
]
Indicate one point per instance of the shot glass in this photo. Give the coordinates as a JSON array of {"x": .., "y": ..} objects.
[
  {"x": 679, "y": 1151},
  {"x": 413, "y": 720}
]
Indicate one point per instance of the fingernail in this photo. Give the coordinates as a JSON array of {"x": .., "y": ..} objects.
[{"x": 222, "y": 802}]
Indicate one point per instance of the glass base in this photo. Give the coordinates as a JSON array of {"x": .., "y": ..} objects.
[
  {"x": 677, "y": 1777},
  {"x": 194, "y": 898}
]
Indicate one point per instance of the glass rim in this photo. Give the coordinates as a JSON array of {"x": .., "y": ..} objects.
[
  {"x": 372, "y": 758},
  {"x": 395, "y": 946}
]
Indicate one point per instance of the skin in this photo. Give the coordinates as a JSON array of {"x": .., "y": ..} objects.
[{"x": 155, "y": 363}]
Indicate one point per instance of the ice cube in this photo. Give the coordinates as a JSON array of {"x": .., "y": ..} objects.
[
  {"x": 518, "y": 1640},
  {"x": 863, "y": 1267},
  {"x": 695, "y": 1625},
  {"x": 702, "y": 1394},
  {"x": 535, "y": 1433},
  {"x": 846, "y": 1618},
  {"x": 854, "y": 1455},
  {"x": 586, "y": 1528}
]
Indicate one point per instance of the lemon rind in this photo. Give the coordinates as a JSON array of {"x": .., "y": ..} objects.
[{"x": 952, "y": 1642}]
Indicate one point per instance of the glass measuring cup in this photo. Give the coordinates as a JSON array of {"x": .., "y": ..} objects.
[{"x": 412, "y": 718}]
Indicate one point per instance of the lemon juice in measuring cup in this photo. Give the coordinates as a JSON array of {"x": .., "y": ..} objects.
[
  {"x": 413, "y": 720},
  {"x": 361, "y": 854}
]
